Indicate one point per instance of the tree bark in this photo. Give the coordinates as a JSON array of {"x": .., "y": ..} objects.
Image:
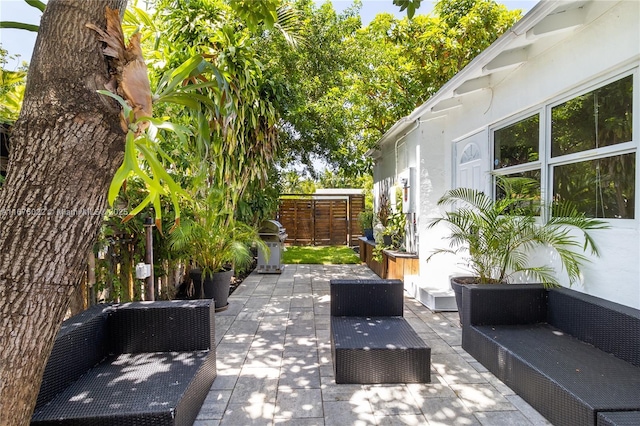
[{"x": 66, "y": 147}]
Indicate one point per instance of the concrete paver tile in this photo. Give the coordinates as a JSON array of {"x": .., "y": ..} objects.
[
  {"x": 226, "y": 378},
  {"x": 356, "y": 394},
  {"x": 214, "y": 405},
  {"x": 298, "y": 403},
  {"x": 454, "y": 369},
  {"x": 342, "y": 413},
  {"x": 301, "y": 328},
  {"x": 402, "y": 420},
  {"x": 447, "y": 412},
  {"x": 300, "y": 343},
  {"x": 317, "y": 421},
  {"x": 527, "y": 410},
  {"x": 502, "y": 418},
  {"x": 482, "y": 397},
  {"x": 256, "y": 386},
  {"x": 231, "y": 355},
  {"x": 392, "y": 400},
  {"x": 248, "y": 415},
  {"x": 300, "y": 376},
  {"x": 302, "y": 301},
  {"x": 264, "y": 358},
  {"x": 435, "y": 389},
  {"x": 269, "y": 336},
  {"x": 210, "y": 422}
]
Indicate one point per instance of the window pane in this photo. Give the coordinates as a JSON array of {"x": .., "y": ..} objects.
[
  {"x": 599, "y": 118},
  {"x": 603, "y": 188},
  {"x": 517, "y": 143},
  {"x": 525, "y": 185}
]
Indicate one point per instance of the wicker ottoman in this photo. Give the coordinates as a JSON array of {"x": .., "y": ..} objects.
[{"x": 369, "y": 350}]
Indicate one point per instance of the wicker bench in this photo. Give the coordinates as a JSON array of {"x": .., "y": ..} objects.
[
  {"x": 371, "y": 342},
  {"x": 130, "y": 364},
  {"x": 575, "y": 358}
]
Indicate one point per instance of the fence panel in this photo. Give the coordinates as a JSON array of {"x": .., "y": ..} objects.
[{"x": 320, "y": 220}]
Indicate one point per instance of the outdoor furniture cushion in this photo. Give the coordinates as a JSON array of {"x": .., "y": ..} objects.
[{"x": 378, "y": 350}]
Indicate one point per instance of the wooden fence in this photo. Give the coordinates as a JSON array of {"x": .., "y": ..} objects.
[{"x": 321, "y": 220}]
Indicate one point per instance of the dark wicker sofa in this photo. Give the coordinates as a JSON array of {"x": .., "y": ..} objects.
[
  {"x": 371, "y": 342},
  {"x": 575, "y": 358},
  {"x": 143, "y": 363}
]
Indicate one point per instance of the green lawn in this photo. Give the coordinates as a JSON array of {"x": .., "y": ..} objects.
[{"x": 320, "y": 255}]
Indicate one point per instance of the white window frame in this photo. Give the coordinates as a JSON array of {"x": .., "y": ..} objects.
[
  {"x": 546, "y": 163},
  {"x": 519, "y": 168}
]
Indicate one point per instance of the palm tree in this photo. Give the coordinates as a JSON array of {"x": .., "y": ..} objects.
[{"x": 497, "y": 237}]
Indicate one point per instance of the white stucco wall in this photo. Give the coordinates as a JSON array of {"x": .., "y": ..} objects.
[{"x": 608, "y": 45}]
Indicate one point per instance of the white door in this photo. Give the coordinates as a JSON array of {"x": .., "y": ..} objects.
[{"x": 470, "y": 167}]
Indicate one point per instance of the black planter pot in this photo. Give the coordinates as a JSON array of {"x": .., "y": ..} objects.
[
  {"x": 457, "y": 291},
  {"x": 216, "y": 287},
  {"x": 368, "y": 233},
  {"x": 457, "y": 283}
]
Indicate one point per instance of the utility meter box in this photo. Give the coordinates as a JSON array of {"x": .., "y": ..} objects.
[
  {"x": 409, "y": 187},
  {"x": 143, "y": 270}
]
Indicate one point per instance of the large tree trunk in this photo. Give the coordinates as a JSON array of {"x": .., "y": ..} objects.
[{"x": 66, "y": 146}]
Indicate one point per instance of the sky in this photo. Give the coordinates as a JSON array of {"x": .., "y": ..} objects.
[{"x": 22, "y": 42}]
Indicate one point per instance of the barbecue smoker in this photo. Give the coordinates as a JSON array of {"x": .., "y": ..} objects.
[{"x": 274, "y": 235}]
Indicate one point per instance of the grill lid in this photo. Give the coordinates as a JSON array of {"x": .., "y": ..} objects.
[{"x": 271, "y": 227}]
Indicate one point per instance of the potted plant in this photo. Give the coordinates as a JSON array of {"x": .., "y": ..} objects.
[
  {"x": 217, "y": 243},
  {"x": 366, "y": 223},
  {"x": 495, "y": 237},
  {"x": 382, "y": 215},
  {"x": 394, "y": 232}
]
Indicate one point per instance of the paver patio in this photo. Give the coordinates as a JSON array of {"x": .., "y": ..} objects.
[{"x": 274, "y": 364}]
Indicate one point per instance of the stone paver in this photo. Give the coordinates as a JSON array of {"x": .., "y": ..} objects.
[{"x": 275, "y": 367}]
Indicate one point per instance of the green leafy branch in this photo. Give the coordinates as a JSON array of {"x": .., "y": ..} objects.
[
  {"x": 159, "y": 182},
  {"x": 24, "y": 26}
]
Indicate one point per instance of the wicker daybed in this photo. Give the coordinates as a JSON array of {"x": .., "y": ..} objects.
[
  {"x": 143, "y": 363},
  {"x": 574, "y": 357}
]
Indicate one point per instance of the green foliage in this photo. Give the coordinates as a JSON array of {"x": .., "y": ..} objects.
[
  {"x": 291, "y": 182},
  {"x": 347, "y": 85},
  {"x": 496, "y": 238},
  {"x": 205, "y": 76},
  {"x": 37, "y": 4},
  {"x": 335, "y": 255},
  {"x": 256, "y": 12},
  {"x": 409, "y": 5},
  {"x": 384, "y": 208},
  {"x": 366, "y": 219},
  {"x": 158, "y": 182},
  {"x": 213, "y": 239},
  {"x": 12, "y": 85},
  {"x": 259, "y": 202},
  {"x": 121, "y": 246},
  {"x": 21, "y": 25},
  {"x": 396, "y": 230}
]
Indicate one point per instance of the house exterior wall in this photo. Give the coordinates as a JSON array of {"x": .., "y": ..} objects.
[{"x": 607, "y": 46}]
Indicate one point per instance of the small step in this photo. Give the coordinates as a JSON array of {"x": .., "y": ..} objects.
[{"x": 437, "y": 299}]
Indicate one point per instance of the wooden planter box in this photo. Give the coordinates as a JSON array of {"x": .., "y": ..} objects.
[{"x": 394, "y": 265}]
